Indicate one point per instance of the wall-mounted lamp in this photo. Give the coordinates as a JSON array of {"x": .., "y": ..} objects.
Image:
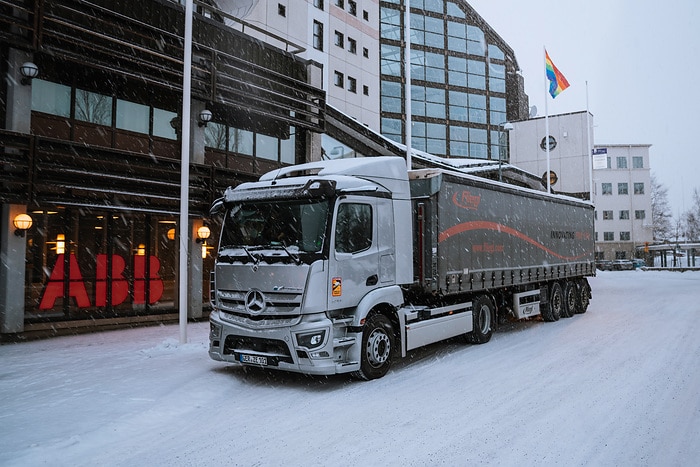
[
  {"x": 29, "y": 71},
  {"x": 60, "y": 244},
  {"x": 171, "y": 234},
  {"x": 204, "y": 117},
  {"x": 22, "y": 223},
  {"x": 203, "y": 234}
]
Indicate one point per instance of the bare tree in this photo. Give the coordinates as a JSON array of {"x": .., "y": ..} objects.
[
  {"x": 691, "y": 219},
  {"x": 660, "y": 211}
]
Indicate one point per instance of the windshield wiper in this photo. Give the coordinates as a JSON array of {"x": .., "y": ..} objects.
[
  {"x": 295, "y": 258},
  {"x": 256, "y": 259}
]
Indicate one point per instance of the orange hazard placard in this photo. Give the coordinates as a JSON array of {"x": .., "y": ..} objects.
[{"x": 336, "y": 286}]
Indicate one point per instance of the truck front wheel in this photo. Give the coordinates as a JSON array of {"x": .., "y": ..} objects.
[
  {"x": 377, "y": 347},
  {"x": 482, "y": 319}
]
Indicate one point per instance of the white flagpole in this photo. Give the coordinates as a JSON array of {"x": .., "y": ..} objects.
[
  {"x": 407, "y": 86},
  {"x": 546, "y": 122},
  {"x": 588, "y": 145},
  {"x": 185, "y": 172}
]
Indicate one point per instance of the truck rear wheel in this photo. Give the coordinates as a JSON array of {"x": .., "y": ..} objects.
[
  {"x": 571, "y": 302},
  {"x": 584, "y": 296},
  {"x": 551, "y": 311},
  {"x": 377, "y": 348},
  {"x": 482, "y": 319}
]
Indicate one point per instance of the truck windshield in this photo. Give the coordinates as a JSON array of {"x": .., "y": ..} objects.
[{"x": 297, "y": 226}]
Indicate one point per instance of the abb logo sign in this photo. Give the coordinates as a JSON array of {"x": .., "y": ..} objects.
[{"x": 120, "y": 285}]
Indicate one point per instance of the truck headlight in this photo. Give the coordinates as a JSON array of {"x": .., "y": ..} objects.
[{"x": 311, "y": 340}]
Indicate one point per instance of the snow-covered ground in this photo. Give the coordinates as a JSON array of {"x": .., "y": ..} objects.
[{"x": 619, "y": 385}]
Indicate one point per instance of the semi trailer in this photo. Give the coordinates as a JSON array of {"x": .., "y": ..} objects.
[{"x": 343, "y": 266}]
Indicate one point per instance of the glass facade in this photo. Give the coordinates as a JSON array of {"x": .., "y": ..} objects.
[
  {"x": 458, "y": 79},
  {"x": 85, "y": 263}
]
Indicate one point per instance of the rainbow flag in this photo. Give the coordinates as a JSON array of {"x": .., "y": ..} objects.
[{"x": 557, "y": 82}]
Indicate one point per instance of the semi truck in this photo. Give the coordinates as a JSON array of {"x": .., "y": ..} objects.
[{"x": 344, "y": 266}]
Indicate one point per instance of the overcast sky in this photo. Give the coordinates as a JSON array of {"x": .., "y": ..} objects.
[{"x": 641, "y": 59}]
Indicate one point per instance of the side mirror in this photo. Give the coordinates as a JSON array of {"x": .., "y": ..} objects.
[{"x": 217, "y": 207}]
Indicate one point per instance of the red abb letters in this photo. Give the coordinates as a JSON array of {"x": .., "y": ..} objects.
[{"x": 120, "y": 284}]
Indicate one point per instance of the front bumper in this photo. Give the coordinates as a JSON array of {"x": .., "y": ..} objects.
[{"x": 312, "y": 344}]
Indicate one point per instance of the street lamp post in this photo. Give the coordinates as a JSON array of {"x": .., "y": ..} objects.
[{"x": 502, "y": 127}]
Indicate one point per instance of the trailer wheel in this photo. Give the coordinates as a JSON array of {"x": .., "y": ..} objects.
[
  {"x": 552, "y": 310},
  {"x": 571, "y": 302},
  {"x": 377, "y": 348},
  {"x": 584, "y": 296},
  {"x": 482, "y": 319}
]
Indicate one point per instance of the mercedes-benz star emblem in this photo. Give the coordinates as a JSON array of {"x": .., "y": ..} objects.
[{"x": 255, "y": 302}]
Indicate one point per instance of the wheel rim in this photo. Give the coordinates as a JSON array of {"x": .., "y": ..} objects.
[
  {"x": 484, "y": 319},
  {"x": 556, "y": 303},
  {"x": 378, "y": 348}
]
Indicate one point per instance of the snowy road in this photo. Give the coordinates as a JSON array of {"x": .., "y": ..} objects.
[{"x": 619, "y": 385}]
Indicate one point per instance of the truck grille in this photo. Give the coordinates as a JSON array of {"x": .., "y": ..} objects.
[{"x": 276, "y": 303}]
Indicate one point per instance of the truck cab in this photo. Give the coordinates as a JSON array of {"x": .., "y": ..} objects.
[{"x": 305, "y": 255}]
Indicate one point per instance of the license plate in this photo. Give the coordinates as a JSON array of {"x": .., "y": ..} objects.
[{"x": 254, "y": 359}]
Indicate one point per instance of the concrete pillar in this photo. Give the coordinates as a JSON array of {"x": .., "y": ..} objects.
[
  {"x": 19, "y": 96},
  {"x": 196, "y": 271},
  {"x": 197, "y": 139},
  {"x": 13, "y": 253}
]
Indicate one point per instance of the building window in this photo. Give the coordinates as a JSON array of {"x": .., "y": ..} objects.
[
  {"x": 621, "y": 162},
  {"x": 352, "y": 84},
  {"x": 637, "y": 162},
  {"x": 365, "y": 15},
  {"x": 338, "y": 79},
  {"x": 624, "y": 236},
  {"x": 281, "y": 10},
  {"x": 339, "y": 39},
  {"x": 365, "y": 52},
  {"x": 161, "y": 124},
  {"x": 340, "y": 3},
  {"x": 622, "y": 189},
  {"x": 51, "y": 98},
  {"x": 639, "y": 214},
  {"x": 365, "y": 90},
  {"x": 318, "y": 4},
  {"x": 608, "y": 236},
  {"x": 607, "y": 215},
  {"x": 352, "y": 45},
  {"x": 639, "y": 188},
  {"x": 595, "y": 215},
  {"x": 352, "y": 7},
  {"x": 606, "y": 188},
  {"x": 624, "y": 215},
  {"x": 93, "y": 107},
  {"x": 620, "y": 255},
  {"x": 318, "y": 35},
  {"x": 132, "y": 116}
]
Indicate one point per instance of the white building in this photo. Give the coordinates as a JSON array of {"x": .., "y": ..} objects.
[
  {"x": 622, "y": 199},
  {"x": 342, "y": 35},
  {"x": 569, "y": 144}
]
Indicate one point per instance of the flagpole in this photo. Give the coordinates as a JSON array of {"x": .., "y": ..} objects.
[
  {"x": 185, "y": 173},
  {"x": 407, "y": 86},
  {"x": 546, "y": 124},
  {"x": 588, "y": 145}
]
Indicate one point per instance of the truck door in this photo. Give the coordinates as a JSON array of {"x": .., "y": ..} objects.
[{"x": 354, "y": 265}]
